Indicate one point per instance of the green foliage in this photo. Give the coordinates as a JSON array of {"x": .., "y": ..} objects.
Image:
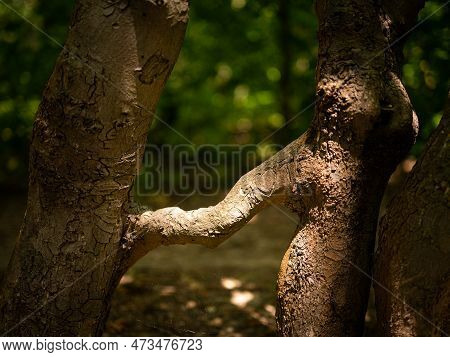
[
  {"x": 426, "y": 70},
  {"x": 27, "y": 59},
  {"x": 226, "y": 86}
]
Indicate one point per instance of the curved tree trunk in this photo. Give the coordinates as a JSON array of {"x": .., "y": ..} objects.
[
  {"x": 88, "y": 137},
  {"x": 413, "y": 260},
  {"x": 363, "y": 126}
]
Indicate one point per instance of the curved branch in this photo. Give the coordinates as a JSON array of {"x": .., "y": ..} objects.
[{"x": 268, "y": 182}]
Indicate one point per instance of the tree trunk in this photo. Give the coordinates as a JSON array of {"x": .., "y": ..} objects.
[
  {"x": 88, "y": 136},
  {"x": 363, "y": 126},
  {"x": 413, "y": 260}
]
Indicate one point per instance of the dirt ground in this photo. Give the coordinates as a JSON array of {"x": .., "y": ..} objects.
[{"x": 192, "y": 290}]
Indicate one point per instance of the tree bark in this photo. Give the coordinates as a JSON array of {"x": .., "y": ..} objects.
[
  {"x": 413, "y": 259},
  {"x": 333, "y": 177},
  {"x": 88, "y": 136},
  {"x": 363, "y": 126}
]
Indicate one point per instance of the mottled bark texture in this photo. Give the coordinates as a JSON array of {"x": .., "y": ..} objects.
[
  {"x": 88, "y": 136},
  {"x": 333, "y": 177},
  {"x": 413, "y": 259},
  {"x": 363, "y": 126}
]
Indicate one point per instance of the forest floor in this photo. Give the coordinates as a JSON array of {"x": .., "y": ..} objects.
[
  {"x": 196, "y": 291},
  {"x": 192, "y": 290}
]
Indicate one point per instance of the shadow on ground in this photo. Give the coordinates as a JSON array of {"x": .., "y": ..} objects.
[{"x": 192, "y": 290}]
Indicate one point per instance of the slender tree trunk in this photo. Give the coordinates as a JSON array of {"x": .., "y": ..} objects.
[
  {"x": 363, "y": 126},
  {"x": 413, "y": 260},
  {"x": 88, "y": 137}
]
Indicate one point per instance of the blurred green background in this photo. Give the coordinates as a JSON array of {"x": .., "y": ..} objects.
[{"x": 246, "y": 68}]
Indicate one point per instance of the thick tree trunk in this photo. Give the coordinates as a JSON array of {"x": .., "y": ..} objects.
[
  {"x": 364, "y": 125},
  {"x": 413, "y": 260},
  {"x": 88, "y": 137}
]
